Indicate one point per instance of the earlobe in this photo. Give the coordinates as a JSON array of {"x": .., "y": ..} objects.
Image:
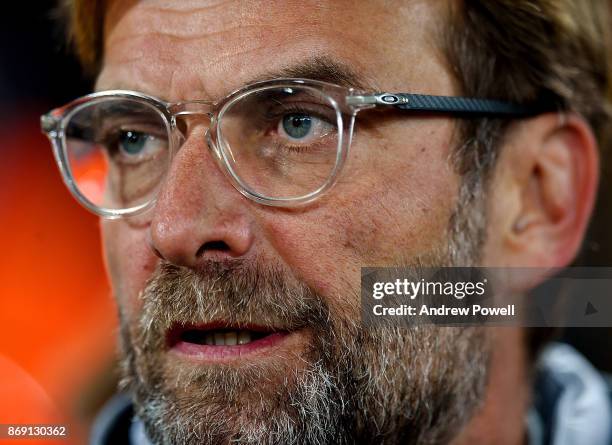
[{"x": 554, "y": 165}]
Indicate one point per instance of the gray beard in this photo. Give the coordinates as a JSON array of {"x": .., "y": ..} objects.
[{"x": 376, "y": 385}]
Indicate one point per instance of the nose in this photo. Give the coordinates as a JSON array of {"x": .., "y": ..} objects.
[{"x": 199, "y": 216}]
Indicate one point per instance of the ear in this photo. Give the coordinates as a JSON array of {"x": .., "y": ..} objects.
[{"x": 542, "y": 193}]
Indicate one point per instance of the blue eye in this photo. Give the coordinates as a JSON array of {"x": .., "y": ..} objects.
[
  {"x": 135, "y": 147},
  {"x": 132, "y": 142},
  {"x": 297, "y": 125}
]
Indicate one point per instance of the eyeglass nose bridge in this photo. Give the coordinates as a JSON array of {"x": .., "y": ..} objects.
[
  {"x": 191, "y": 108},
  {"x": 182, "y": 110}
]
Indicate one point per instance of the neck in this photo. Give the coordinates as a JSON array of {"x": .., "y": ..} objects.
[{"x": 501, "y": 417}]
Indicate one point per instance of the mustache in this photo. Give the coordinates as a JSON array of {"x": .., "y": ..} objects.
[{"x": 237, "y": 293}]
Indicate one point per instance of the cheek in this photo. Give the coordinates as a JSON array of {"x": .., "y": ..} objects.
[
  {"x": 390, "y": 213},
  {"x": 129, "y": 262}
]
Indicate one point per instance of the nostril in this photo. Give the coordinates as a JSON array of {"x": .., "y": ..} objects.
[
  {"x": 157, "y": 253},
  {"x": 212, "y": 246}
]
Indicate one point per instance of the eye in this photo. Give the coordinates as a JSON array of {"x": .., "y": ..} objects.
[
  {"x": 133, "y": 143},
  {"x": 302, "y": 127},
  {"x": 297, "y": 126},
  {"x": 133, "y": 146}
]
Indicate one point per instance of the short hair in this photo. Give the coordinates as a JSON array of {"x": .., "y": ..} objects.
[{"x": 84, "y": 26}]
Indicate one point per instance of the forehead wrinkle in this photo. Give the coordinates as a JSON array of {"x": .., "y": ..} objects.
[
  {"x": 317, "y": 58},
  {"x": 234, "y": 21},
  {"x": 322, "y": 67},
  {"x": 179, "y": 37},
  {"x": 200, "y": 21},
  {"x": 241, "y": 51},
  {"x": 179, "y": 22}
]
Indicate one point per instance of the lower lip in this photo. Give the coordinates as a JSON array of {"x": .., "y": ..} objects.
[{"x": 221, "y": 353}]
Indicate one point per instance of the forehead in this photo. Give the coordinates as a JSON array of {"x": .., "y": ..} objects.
[{"x": 179, "y": 49}]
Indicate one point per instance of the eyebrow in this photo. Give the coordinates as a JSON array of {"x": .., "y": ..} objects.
[{"x": 322, "y": 68}]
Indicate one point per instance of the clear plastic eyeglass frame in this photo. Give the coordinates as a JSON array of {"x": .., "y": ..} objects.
[{"x": 346, "y": 102}]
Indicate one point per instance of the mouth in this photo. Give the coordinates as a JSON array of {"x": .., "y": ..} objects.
[{"x": 216, "y": 342}]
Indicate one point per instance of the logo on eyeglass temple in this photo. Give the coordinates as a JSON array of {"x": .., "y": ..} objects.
[{"x": 390, "y": 99}]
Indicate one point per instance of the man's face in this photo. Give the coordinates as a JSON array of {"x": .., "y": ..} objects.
[{"x": 208, "y": 265}]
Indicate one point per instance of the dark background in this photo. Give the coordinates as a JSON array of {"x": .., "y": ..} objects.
[{"x": 57, "y": 322}]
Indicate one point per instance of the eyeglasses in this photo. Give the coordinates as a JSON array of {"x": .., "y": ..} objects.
[{"x": 281, "y": 142}]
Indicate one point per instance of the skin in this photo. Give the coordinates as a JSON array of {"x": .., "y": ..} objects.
[{"x": 394, "y": 198}]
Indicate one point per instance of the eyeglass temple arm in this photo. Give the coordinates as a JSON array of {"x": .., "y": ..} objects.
[{"x": 445, "y": 104}]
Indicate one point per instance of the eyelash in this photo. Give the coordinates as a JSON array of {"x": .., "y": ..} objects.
[{"x": 298, "y": 109}]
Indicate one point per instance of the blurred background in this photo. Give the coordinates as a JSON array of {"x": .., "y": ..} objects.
[{"x": 57, "y": 318}]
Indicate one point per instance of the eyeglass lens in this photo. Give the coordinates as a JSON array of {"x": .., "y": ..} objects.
[
  {"x": 117, "y": 151},
  {"x": 279, "y": 143}
]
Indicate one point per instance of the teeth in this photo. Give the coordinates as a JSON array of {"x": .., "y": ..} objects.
[
  {"x": 219, "y": 339},
  {"x": 228, "y": 338},
  {"x": 209, "y": 339},
  {"x": 244, "y": 337},
  {"x": 231, "y": 338}
]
